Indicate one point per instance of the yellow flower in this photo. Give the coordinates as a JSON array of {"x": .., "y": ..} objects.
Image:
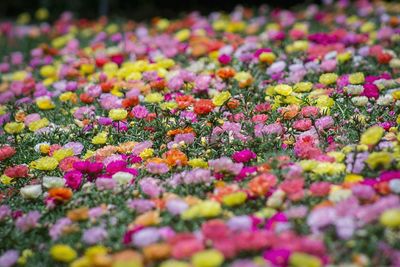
[
  {"x": 42, "y": 14},
  {"x": 146, "y": 153},
  {"x": 4, "y": 179},
  {"x": 81, "y": 262},
  {"x": 325, "y": 101},
  {"x": 208, "y": 258},
  {"x": 45, "y": 164},
  {"x": 100, "y": 138},
  {"x": 26, "y": 253},
  {"x": 182, "y": 35},
  {"x": 283, "y": 89},
  {"x": 48, "y": 71},
  {"x": 343, "y": 57},
  {"x": 63, "y": 153},
  {"x": 303, "y": 87},
  {"x": 267, "y": 57},
  {"x": 39, "y": 124},
  {"x": 221, "y": 98},
  {"x": 93, "y": 251},
  {"x": 300, "y": 45},
  {"x": 299, "y": 259},
  {"x": 356, "y": 78},
  {"x": 118, "y": 114},
  {"x": 44, "y": 103},
  {"x": 372, "y": 135},
  {"x": 67, "y": 96},
  {"x": 174, "y": 263},
  {"x": 168, "y": 105},
  {"x": 391, "y": 218},
  {"x": 154, "y": 98},
  {"x": 63, "y": 253},
  {"x": 205, "y": 209},
  {"x": 353, "y": 178},
  {"x": 379, "y": 159},
  {"x": 209, "y": 208},
  {"x": 339, "y": 156},
  {"x": 198, "y": 163},
  {"x": 87, "y": 68},
  {"x": 14, "y": 127},
  {"x": 328, "y": 78},
  {"x": 234, "y": 199}
]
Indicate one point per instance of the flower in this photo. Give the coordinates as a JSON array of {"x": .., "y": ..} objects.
[
  {"x": 45, "y": 164},
  {"x": 372, "y": 135},
  {"x": 28, "y": 221},
  {"x": 234, "y": 199},
  {"x": 14, "y": 127},
  {"x": 283, "y": 89},
  {"x": 390, "y": 218},
  {"x": 207, "y": 258},
  {"x": 63, "y": 253},
  {"x": 244, "y": 155},
  {"x": 328, "y": 78},
  {"x": 117, "y": 114},
  {"x": 298, "y": 259},
  {"x": 221, "y": 98},
  {"x": 45, "y": 103},
  {"x": 31, "y": 191}
]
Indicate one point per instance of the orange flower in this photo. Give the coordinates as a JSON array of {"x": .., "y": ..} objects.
[
  {"x": 80, "y": 214},
  {"x": 126, "y": 147},
  {"x": 290, "y": 112},
  {"x": 175, "y": 157},
  {"x": 226, "y": 73},
  {"x": 60, "y": 193},
  {"x": 233, "y": 104},
  {"x": 156, "y": 252},
  {"x": 184, "y": 101},
  {"x": 158, "y": 84},
  {"x": 260, "y": 185},
  {"x": 203, "y": 106},
  {"x": 86, "y": 98},
  {"x": 147, "y": 219},
  {"x": 181, "y": 131},
  {"x": 127, "y": 257},
  {"x": 130, "y": 102}
]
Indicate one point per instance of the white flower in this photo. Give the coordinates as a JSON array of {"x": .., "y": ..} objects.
[
  {"x": 51, "y": 182},
  {"x": 122, "y": 177},
  {"x": 394, "y": 186},
  {"x": 360, "y": 100},
  {"x": 385, "y": 100},
  {"x": 31, "y": 191}
]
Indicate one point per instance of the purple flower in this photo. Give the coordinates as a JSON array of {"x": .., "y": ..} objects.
[
  {"x": 145, "y": 237},
  {"x": 176, "y": 206},
  {"x": 94, "y": 235},
  {"x": 141, "y": 205},
  {"x": 5, "y": 212},
  {"x": 57, "y": 229},
  {"x": 140, "y": 112},
  {"x": 225, "y": 165},
  {"x": 9, "y": 258},
  {"x": 150, "y": 187},
  {"x": 157, "y": 168},
  {"x": 28, "y": 221}
]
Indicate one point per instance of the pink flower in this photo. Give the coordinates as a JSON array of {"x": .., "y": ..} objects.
[
  {"x": 244, "y": 155},
  {"x": 320, "y": 189},
  {"x": 224, "y": 59},
  {"x": 73, "y": 179},
  {"x": 140, "y": 112},
  {"x": 302, "y": 125},
  {"x": 28, "y": 221}
]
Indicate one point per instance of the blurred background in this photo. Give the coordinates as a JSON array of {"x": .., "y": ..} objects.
[{"x": 133, "y": 9}]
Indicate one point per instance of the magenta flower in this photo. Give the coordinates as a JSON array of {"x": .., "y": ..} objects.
[
  {"x": 73, "y": 179},
  {"x": 244, "y": 155}
]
